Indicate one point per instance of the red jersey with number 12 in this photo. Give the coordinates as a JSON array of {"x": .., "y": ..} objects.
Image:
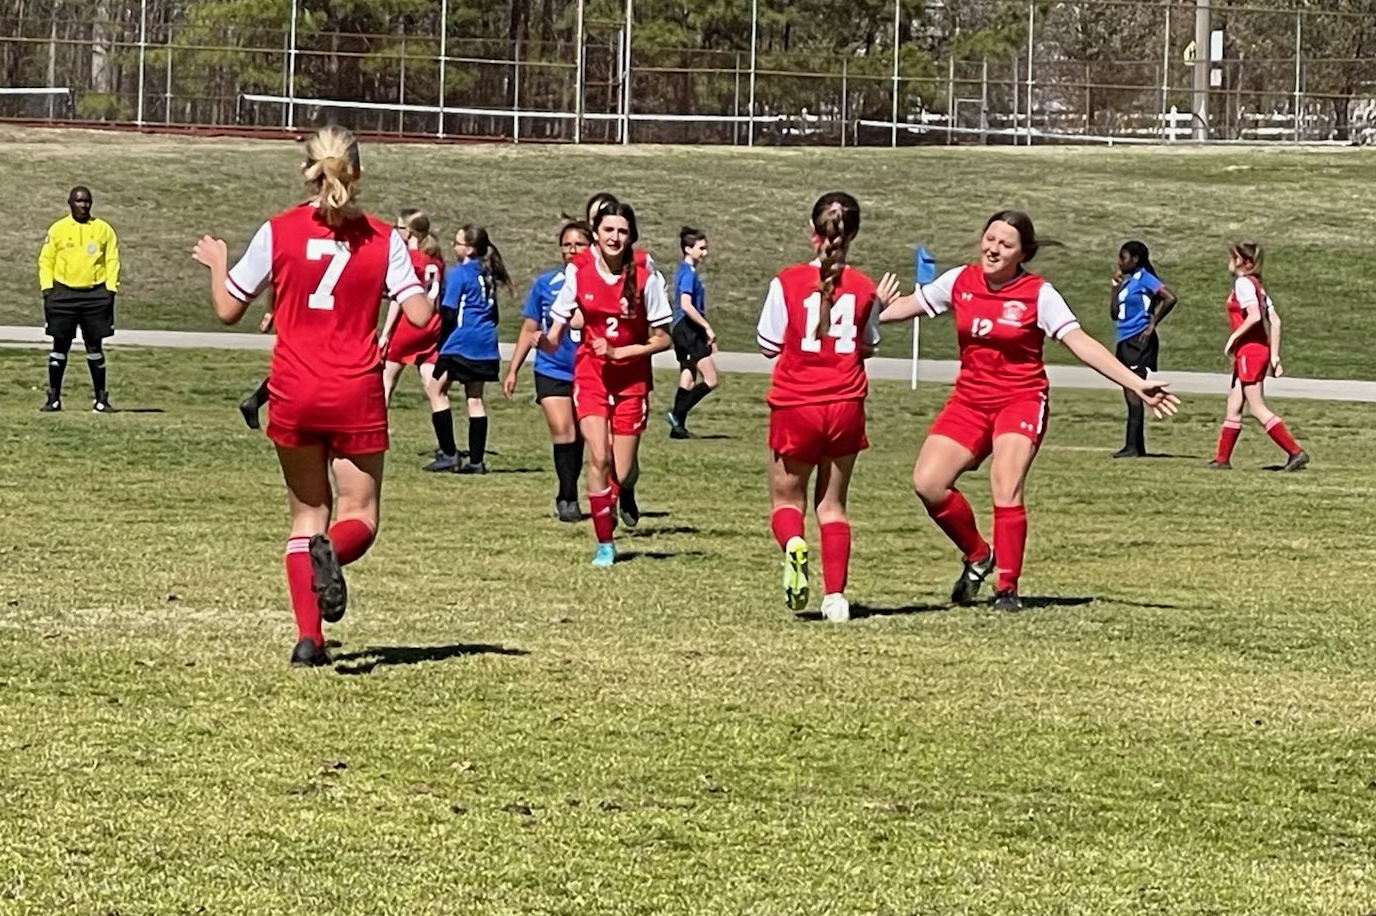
[{"x": 818, "y": 366}]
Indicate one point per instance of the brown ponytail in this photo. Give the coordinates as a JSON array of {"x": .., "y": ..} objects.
[
  {"x": 332, "y": 173},
  {"x": 835, "y": 221}
]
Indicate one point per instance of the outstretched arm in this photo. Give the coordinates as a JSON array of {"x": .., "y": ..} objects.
[
  {"x": 214, "y": 254},
  {"x": 1094, "y": 355}
]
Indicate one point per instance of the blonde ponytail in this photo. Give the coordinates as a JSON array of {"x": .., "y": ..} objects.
[{"x": 332, "y": 173}]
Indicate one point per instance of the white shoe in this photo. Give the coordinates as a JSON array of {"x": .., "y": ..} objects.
[{"x": 836, "y": 608}]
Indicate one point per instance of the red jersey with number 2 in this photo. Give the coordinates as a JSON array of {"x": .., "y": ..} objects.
[{"x": 821, "y": 357}]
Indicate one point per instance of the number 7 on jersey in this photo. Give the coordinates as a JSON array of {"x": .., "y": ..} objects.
[{"x": 339, "y": 254}]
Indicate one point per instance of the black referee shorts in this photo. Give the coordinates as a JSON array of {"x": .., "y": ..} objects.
[
  {"x": 65, "y": 310},
  {"x": 1139, "y": 355}
]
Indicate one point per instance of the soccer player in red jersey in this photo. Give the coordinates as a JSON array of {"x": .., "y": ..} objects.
[
  {"x": 629, "y": 508},
  {"x": 1254, "y": 353},
  {"x": 626, "y": 314},
  {"x": 1003, "y": 315},
  {"x": 327, "y": 263},
  {"x": 820, "y": 322},
  {"x": 406, "y": 345}
]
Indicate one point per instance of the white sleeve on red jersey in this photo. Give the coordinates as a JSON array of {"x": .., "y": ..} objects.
[
  {"x": 936, "y": 296},
  {"x": 566, "y": 302},
  {"x": 1054, "y": 316},
  {"x": 769, "y": 333},
  {"x": 657, "y": 308},
  {"x": 401, "y": 273},
  {"x": 871, "y": 335},
  {"x": 1245, "y": 291},
  {"x": 433, "y": 272},
  {"x": 246, "y": 278}
]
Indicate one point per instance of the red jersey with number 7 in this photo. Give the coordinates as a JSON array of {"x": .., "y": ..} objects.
[
  {"x": 821, "y": 358},
  {"x": 327, "y": 284}
]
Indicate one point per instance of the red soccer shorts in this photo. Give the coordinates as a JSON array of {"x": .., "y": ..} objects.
[
  {"x": 411, "y": 345},
  {"x": 812, "y": 432},
  {"x": 1251, "y": 362},
  {"x": 349, "y": 418},
  {"x": 628, "y": 414},
  {"x": 976, "y": 428}
]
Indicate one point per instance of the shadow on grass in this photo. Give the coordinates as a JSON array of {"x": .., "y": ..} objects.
[
  {"x": 861, "y": 611},
  {"x": 631, "y": 555},
  {"x": 387, "y": 656},
  {"x": 652, "y": 532},
  {"x": 1029, "y": 603}
]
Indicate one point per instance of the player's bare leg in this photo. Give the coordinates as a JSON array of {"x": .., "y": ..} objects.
[
  {"x": 597, "y": 441},
  {"x": 788, "y": 480},
  {"x": 1012, "y": 459},
  {"x": 391, "y": 373},
  {"x": 939, "y": 465},
  {"x": 833, "y": 488},
  {"x": 1255, "y": 397}
]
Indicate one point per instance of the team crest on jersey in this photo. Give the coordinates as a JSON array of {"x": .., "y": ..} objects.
[{"x": 1013, "y": 312}]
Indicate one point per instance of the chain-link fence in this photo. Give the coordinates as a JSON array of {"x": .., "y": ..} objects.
[{"x": 1029, "y": 71}]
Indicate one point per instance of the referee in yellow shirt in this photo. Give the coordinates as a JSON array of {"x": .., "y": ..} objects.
[{"x": 78, "y": 271}]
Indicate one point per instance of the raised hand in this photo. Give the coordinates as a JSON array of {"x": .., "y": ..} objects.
[
  {"x": 211, "y": 252},
  {"x": 1157, "y": 396}
]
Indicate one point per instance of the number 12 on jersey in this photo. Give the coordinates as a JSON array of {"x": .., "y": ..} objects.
[{"x": 841, "y": 323}]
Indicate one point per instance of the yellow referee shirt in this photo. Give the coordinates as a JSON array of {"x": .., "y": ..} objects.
[{"x": 79, "y": 255}]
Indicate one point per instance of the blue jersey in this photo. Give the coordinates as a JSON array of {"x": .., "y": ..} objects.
[
  {"x": 687, "y": 281},
  {"x": 468, "y": 309},
  {"x": 1135, "y": 296},
  {"x": 543, "y": 292}
]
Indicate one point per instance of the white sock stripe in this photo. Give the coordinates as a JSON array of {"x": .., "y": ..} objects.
[
  {"x": 57, "y": 357},
  {"x": 95, "y": 356}
]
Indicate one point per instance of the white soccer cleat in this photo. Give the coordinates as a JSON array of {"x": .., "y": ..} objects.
[{"x": 836, "y": 608}]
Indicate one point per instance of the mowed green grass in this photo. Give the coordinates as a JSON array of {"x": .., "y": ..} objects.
[
  {"x": 1187, "y": 204},
  {"x": 1180, "y": 723}
]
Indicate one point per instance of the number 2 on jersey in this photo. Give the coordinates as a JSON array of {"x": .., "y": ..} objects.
[
  {"x": 339, "y": 254},
  {"x": 841, "y": 323}
]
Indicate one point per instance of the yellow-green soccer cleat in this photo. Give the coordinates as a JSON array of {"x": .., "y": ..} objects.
[{"x": 795, "y": 574}]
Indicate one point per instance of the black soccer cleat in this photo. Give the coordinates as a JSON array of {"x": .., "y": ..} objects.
[
  {"x": 331, "y": 594},
  {"x": 248, "y": 409},
  {"x": 1007, "y": 601},
  {"x": 309, "y": 654},
  {"x": 1297, "y": 461},
  {"x": 101, "y": 404},
  {"x": 1126, "y": 452},
  {"x": 568, "y": 510},
  {"x": 1219, "y": 465},
  {"x": 680, "y": 432},
  {"x": 972, "y": 576},
  {"x": 53, "y": 402},
  {"x": 469, "y": 467},
  {"x": 442, "y": 462},
  {"x": 630, "y": 510}
]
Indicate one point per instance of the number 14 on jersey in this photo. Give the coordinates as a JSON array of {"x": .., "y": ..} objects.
[{"x": 840, "y": 323}]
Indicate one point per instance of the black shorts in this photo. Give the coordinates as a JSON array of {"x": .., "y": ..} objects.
[
  {"x": 690, "y": 342},
  {"x": 466, "y": 371},
  {"x": 550, "y": 387},
  {"x": 92, "y": 310},
  {"x": 1139, "y": 355}
]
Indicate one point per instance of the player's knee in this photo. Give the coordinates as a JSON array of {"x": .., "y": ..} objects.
[{"x": 928, "y": 489}]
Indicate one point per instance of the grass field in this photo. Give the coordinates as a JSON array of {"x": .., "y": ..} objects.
[
  {"x": 161, "y": 193},
  {"x": 1181, "y": 723}
]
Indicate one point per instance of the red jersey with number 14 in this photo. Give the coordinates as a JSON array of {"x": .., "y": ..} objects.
[{"x": 818, "y": 365}]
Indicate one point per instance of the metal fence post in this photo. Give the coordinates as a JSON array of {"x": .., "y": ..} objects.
[
  {"x": 1031, "y": 27},
  {"x": 444, "y": 58},
  {"x": 143, "y": 50},
  {"x": 291, "y": 78},
  {"x": 1165, "y": 68},
  {"x": 579, "y": 75},
  {"x": 893, "y": 126},
  {"x": 845, "y": 98},
  {"x": 754, "y": 44},
  {"x": 1299, "y": 36},
  {"x": 516, "y": 93},
  {"x": 401, "y": 91},
  {"x": 626, "y": 107},
  {"x": 167, "y": 85}
]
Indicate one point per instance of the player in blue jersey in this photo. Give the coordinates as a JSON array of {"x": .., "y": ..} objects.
[
  {"x": 468, "y": 332},
  {"x": 694, "y": 339},
  {"x": 554, "y": 371},
  {"x": 1138, "y": 303}
]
